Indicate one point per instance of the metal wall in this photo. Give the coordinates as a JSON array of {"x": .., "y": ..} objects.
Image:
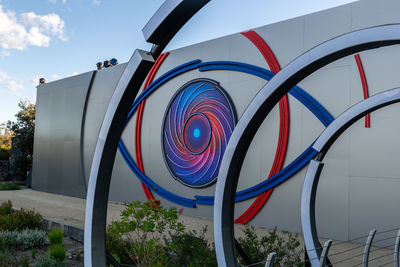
[{"x": 361, "y": 176}]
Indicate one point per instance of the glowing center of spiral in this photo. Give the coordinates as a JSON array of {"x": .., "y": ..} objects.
[{"x": 197, "y": 133}]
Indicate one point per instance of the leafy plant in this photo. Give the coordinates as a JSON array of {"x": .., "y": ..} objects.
[
  {"x": 8, "y": 259},
  {"x": 47, "y": 262},
  {"x": 6, "y": 208},
  {"x": 190, "y": 249},
  {"x": 24, "y": 240},
  {"x": 56, "y": 236},
  {"x": 18, "y": 220},
  {"x": 57, "y": 252},
  {"x": 284, "y": 244},
  {"x": 29, "y": 238},
  {"x": 25, "y": 261},
  {"x": 143, "y": 226}
]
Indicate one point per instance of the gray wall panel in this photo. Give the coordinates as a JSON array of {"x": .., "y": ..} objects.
[{"x": 57, "y": 136}]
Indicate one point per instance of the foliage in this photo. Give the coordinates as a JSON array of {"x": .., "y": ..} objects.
[
  {"x": 143, "y": 227},
  {"x": 31, "y": 239},
  {"x": 26, "y": 239},
  {"x": 23, "y": 129},
  {"x": 55, "y": 236},
  {"x": 8, "y": 259},
  {"x": 190, "y": 249},
  {"x": 4, "y": 153},
  {"x": 118, "y": 249},
  {"x": 18, "y": 220},
  {"x": 57, "y": 252},
  {"x": 284, "y": 244},
  {"x": 6, "y": 208},
  {"x": 25, "y": 261},
  {"x": 47, "y": 262},
  {"x": 9, "y": 186},
  {"x": 5, "y": 138}
]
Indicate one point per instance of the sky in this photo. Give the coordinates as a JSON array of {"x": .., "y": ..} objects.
[{"x": 55, "y": 39}]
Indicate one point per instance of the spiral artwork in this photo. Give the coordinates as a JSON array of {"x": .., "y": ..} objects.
[{"x": 197, "y": 126}]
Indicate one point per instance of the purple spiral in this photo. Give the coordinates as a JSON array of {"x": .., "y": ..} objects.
[{"x": 197, "y": 126}]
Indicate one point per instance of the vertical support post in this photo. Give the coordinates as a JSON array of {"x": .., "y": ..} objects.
[
  {"x": 324, "y": 253},
  {"x": 270, "y": 259},
  {"x": 368, "y": 247},
  {"x": 396, "y": 250}
]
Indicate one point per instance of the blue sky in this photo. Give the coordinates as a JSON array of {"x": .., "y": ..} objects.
[{"x": 55, "y": 39}]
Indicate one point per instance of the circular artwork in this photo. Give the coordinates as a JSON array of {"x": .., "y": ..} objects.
[{"x": 197, "y": 126}]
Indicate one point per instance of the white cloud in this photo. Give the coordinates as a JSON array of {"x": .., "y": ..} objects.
[
  {"x": 14, "y": 86},
  {"x": 5, "y": 53},
  {"x": 64, "y": 1},
  {"x": 96, "y": 2},
  {"x": 53, "y": 1},
  {"x": 29, "y": 29},
  {"x": 3, "y": 76}
]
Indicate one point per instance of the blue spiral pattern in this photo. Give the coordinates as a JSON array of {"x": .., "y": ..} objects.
[{"x": 197, "y": 126}]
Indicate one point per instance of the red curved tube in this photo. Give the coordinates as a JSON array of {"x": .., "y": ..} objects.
[
  {"x": 138, "y": 125},
  {"x": 364, "y": 86},
  {"x": 284, "y": 120}
]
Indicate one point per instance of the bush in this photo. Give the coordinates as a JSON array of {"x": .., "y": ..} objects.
[
  {"x": 47, "y": 262},
  {"x": 8, "y": 239},
  {"x": 18, "y": 220},
  {"x": 56, "y": 236},
  {"x": 285, "y": 245},
  {"x": 190, "y": 249},
  {"x": 9, "y": 186},
  {"x": 24, "y": 240},
  {"x": 143, "y": 226},
  {"x": 118, "y": 248},
  {"x": 8, "y": 259},
  {"x": 57, "y": 252},
  {"x": 6, "y": 208},
  {"x": 28, "y": 239}
]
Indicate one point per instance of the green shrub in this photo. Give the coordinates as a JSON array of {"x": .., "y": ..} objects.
[
  {"x": 144, "y": 226},
  {"x": 57, "y": 252},
  {"x": 28, "y": 239},
  {"x": 8, "y": 239},
  {"x": 25, "y": 261},
  {"x": 56, "y": 236},
  {"x": 9, "y": 186},
  {"x": 24, "y": 240},
  {"x": 6, "y": 208},
  {"x": 18, "y": 220},
  {"x": 284, "y": 244},
  {"x": 118, "y": 248},
  {"x": 47, "y": 262},
  {"x": 190, "y": 249},
  {"x": 8, "y": 258}
]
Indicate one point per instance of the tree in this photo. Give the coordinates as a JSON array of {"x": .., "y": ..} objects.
[
  {"x": 22, "y": 144},
  {"x": 5, "y": 142}
]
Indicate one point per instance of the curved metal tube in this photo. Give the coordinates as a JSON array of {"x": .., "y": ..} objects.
[
  {"x": 322, "y": 145},
  {"x": 259, "y": 108},
  {"x": 160, "y": 29}
]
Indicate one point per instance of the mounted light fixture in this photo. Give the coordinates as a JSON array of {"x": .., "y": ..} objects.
[{"x": 99, "y": 65}]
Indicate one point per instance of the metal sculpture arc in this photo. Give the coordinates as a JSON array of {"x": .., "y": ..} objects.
[
  {"x": 258, "y": 110},
  {"x": 322, "y": 145},
  {"x": 160, "y": 29}
]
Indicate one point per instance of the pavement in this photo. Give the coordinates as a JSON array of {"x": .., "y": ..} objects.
[{"x": 71, "y": 211}]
